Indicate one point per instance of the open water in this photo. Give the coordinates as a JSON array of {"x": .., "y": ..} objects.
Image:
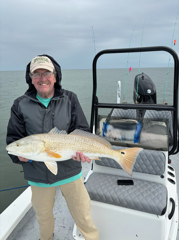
[{"x": 13, "y": 85}]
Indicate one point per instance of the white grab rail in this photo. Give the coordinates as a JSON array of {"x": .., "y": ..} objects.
[
  {"x": 13, "y": 214},
  {"x": 118, "y": 92}
]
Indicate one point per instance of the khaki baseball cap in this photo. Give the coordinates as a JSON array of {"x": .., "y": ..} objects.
[{"x": 41, "y": 62}]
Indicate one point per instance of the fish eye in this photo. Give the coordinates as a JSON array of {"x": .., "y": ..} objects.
[{"x": 17, "y": 145}]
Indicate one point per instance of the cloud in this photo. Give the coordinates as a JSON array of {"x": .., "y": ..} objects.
[{"x": 63, "y": 28}]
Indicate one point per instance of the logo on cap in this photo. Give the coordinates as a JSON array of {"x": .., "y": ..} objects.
[{"x": 41, "y": 59}]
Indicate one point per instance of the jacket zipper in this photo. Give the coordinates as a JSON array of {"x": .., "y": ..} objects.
[
  {"x": 44, "y": 120},
  {"x": 53, "y": 120},
  {"x": 53, "y": 112}
]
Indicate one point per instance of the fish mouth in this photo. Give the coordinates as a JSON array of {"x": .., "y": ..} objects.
[
  {"x": 9, "y": 152},
  {"x": 12, "y": 153}
]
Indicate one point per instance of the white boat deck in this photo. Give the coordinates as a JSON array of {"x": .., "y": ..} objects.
[{"x": 27, "y": 229}]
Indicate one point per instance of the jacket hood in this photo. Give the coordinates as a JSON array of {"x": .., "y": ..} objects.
[{"x": 58, "y": 75}]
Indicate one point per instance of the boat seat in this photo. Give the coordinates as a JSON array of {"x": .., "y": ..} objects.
[
  {"x": 160, "y": 115},
  {"x": 148, "y": 114},
  {"x": 148, "y": 161},
  {"x": 124, "y": 113},
  {"x": 144, "y": 196}
]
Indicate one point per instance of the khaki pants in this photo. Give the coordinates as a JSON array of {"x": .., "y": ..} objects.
[{"x": 78, "y": 203}]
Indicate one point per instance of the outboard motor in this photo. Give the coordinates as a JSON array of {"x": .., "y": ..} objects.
[{"x": 144, "y": 92}]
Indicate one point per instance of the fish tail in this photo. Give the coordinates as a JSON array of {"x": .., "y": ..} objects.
[{"x": 127, "y": 158}]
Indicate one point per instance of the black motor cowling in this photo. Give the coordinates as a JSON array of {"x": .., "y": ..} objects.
[{"x": 144, "y": 90}]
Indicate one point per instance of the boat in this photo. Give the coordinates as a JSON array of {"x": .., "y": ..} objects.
[{"x": 142, "y": 206}]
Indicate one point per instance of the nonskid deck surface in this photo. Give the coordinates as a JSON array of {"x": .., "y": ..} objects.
[{"x": 27, "y": 229}]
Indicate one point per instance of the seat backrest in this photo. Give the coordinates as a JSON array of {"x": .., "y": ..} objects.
[
  {"x": 148, "y": 161},
  {"x": 124, "y": 113},
  {"x": 158, "y": 115}
]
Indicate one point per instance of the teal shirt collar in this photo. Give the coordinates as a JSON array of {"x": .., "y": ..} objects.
[{"x": 44, "y": 101}]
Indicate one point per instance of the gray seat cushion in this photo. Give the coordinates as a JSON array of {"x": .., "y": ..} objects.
[
  {"x": 143, "y": 196},
  {"x": 148, "y": 161},
  {"x": 124, "y": 113},
  {"x": 160, "y": 115}
]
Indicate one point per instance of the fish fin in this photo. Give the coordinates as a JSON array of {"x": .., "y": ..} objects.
[
  {"x": 55, "y": 130},
  {"x": 94, "y": 158},
  {"x": 52, "y": 166},
  {"x": 127, "y": 158},
  {"x": 91, "y": 136},
  {"x": 53, "y": 154}
]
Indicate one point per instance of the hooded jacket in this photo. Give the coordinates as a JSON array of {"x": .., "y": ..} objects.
[{"x": 30, "y": 116}]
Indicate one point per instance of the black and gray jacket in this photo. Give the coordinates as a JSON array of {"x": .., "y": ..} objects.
[{"x": 29, "y": 116}]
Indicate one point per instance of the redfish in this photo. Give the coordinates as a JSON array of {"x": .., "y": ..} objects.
[{"x": 60, "y": 146}]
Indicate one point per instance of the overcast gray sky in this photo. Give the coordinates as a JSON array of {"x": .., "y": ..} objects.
[{"x": 63, "y": 29}]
